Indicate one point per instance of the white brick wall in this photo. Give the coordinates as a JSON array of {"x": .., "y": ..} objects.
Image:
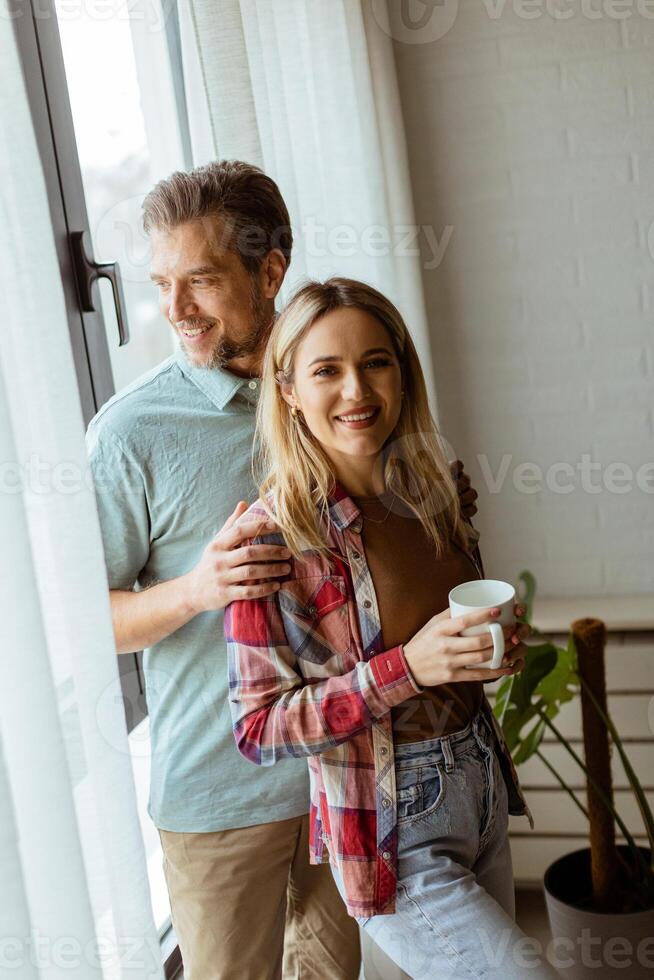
[{"x": 534, "y": 139}]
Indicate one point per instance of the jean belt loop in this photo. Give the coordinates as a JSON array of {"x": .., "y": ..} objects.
[
  {"x": 488, "y": 728},
  {"x": 480, "y": 731},
  {"x": 449, "y": 755}
]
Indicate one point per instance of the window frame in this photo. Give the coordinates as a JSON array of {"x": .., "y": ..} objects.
[{"x": 42, "y": 62}]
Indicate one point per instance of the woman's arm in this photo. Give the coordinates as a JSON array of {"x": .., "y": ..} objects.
[{"x": 276, "y": 713}]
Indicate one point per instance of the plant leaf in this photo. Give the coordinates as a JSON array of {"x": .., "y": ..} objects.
[
  {"x": 503, "y": 697},
  {"x": 530, "y": 743},
  {"x": 515, "y": 721},
  {"x": 526, "y": 595},
  {"x": 561, "y": 684},
  {"x": 513, "y": 706},
  {"x": 539, "y": 661}
]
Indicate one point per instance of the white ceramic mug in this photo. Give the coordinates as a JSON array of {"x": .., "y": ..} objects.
[{"x": 481, "y": 594}]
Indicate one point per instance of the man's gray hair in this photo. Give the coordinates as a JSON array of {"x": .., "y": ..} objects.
[{"x": 253, "y": 216}]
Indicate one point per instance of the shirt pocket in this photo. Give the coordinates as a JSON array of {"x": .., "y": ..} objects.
[{"x": 316, "y": 618}]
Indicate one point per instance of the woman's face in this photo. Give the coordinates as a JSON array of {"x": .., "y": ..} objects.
[{"x": 344, "y": 367}]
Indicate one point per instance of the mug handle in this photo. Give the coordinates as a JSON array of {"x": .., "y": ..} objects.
[{"x": 496, "y": 631}]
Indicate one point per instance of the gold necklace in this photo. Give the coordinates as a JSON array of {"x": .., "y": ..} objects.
[{"x": 373, "y": 520}]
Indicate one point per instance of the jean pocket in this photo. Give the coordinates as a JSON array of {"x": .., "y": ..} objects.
[{"x": 420, "y": 791}]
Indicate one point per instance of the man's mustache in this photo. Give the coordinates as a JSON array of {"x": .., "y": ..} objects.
[{"x": 192, "y": 323}]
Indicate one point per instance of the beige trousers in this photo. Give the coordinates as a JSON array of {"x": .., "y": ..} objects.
[{"x": 247, "y": 905}]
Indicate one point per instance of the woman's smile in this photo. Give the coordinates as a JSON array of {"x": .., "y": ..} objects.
[{"x": 362, "y": 418}]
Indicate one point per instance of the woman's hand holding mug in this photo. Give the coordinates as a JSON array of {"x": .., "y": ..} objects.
[
  {"x": 438, "y": 654},
  {"x": 480, "y": 595}
]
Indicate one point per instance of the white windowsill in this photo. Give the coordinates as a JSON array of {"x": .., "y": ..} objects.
[{"x": 620, "y": 613}]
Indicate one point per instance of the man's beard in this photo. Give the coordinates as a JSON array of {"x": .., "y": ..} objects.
[{"x": 224, "y": 351}]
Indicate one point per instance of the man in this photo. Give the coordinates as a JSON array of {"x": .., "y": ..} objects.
[{"x": 171, "y": 454}]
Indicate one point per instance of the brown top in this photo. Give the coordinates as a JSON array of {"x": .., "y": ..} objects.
[{"x": 412, "y": 585}]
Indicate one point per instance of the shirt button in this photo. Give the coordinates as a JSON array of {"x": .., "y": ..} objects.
[
  {"x": 367, "y": 603},
  {"x": 386, "y": 803},
  {"x": 356, "y": 555},
  {"x": 312, "y": 610},
  {"x": 252, "y": 384},
  {"x": 386, "y": 855},
  {"x": 383, "y": 750}
]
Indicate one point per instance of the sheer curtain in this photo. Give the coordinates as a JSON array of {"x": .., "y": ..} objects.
[
  {"x": 75, "y": 900},
  {"x": 307, "y": 90}
]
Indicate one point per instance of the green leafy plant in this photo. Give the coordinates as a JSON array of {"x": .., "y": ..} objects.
[{"x": 526, "y": 705}]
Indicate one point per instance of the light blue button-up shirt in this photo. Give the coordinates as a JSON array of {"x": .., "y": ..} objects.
[{"x": 171, "y": 458}]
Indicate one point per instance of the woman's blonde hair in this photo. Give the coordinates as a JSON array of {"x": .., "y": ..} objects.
[{"x": 291, "y": 466}]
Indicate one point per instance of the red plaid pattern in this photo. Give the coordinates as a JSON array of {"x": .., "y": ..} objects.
[{"x": 308, "y": 676}]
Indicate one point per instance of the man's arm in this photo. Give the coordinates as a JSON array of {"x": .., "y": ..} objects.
[
  {"x": 141, "y": 619},
  {"x": 226, "y": 571}
]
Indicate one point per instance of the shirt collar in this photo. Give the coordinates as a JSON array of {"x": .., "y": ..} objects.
[
  {"x": 342, "y": 509},
  {"x": 218, "y": 385}
]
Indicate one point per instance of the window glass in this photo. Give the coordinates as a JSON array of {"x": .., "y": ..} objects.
[{"x": 123, "y": 103}]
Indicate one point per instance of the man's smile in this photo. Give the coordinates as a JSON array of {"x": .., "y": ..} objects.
[{"x": 195, "y": 332}]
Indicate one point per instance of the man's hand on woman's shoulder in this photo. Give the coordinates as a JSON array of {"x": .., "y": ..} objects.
[
  {"x": 232, "y": 568},
  {"x": 467, "y": 493}
]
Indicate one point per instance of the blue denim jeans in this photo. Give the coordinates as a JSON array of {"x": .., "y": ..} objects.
[{"x": 455, "y": 906}]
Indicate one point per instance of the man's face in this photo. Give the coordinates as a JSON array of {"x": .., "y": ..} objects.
[{"x": 219, "y": 311}]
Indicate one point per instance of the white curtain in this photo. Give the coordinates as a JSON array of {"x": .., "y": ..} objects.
[
  {"x": 75, "y": 900},
  {"x": 307, "y": 90}
]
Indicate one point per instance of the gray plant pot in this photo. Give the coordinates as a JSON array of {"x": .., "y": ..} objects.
[{"x": 592, "y": 945}]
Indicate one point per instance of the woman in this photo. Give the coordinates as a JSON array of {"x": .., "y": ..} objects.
[{"x": 355, "y": 662}]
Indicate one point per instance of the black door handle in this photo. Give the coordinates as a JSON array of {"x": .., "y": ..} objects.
[{"x": 87, "y": 272}]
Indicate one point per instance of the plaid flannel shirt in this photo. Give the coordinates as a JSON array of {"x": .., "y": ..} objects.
[{"x": 308, "y": 675}]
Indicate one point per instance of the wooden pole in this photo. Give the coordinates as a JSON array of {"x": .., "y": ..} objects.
[{"x": 590, "y": 641}]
